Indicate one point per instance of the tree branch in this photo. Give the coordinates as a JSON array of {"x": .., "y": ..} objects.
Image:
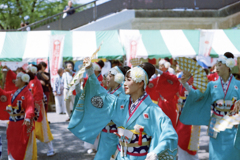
[
  {"x": 19, "y": 7},
  {"x": 33, "y": 5}
]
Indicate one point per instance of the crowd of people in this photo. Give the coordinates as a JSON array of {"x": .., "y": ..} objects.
[{"x": 144, "y": 112}]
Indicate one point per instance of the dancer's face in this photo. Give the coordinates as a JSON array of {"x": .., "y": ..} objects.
[
  {"x": 131, "y": 87},
  {"x": 162, "y": 68},
  {"x": 221, "y": 69},
  {"x": 19, "y": 83},
  {"x": 110, "y": 80}
]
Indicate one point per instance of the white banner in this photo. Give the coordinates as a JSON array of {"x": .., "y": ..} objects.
[
  {"x": 133, "y": 44},
  {"x": 55, "y": 55},
  {"x": 205, "y": 42}
]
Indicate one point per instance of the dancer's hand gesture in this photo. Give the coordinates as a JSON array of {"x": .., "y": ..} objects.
[
  {"x": 236, "y": 107},
  {"x": 185, "y": 77},
  {"x": 87, "y": 63}
]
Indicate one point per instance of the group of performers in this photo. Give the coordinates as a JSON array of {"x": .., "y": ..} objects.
[
  {"x": 138, "y": 113},
  {"x": 149, "y": 114},
  {"x": 22, "y": 103}
]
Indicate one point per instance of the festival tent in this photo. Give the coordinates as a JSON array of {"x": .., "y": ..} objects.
[
  {"x": 160, "y": 43},
  {"x": 34, "y": 45},
  {"x": 225, "y": 41}
]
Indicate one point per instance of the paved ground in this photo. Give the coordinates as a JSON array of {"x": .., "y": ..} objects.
[{"x": 69, "y": 147}]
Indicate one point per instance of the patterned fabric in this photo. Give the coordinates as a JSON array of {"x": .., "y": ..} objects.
[
  {"x": 17, "y": 113},
  {"x": 168, "y": 155},
  {"x": 16, "y": 93},
  {"x": 36, "y": 112},
  {"x": 138, "y": 151},
  {"x": 134, "y": 105},
  {"x": 222, "y": 107},
  {"x": 111, "y": 92},
  {"x": 110, "y": 128},
  {"x": 225, "y": 85}
]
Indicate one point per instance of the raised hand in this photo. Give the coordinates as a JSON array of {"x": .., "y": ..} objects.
[{"x": 185, "y": 77}]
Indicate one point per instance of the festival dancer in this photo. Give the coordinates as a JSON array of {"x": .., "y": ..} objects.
[
  {"x": 164, "y": 89},
  {"x": 108, "y": 140},
  {"x": 188, "y": 135},
  {"x": 97, "y": 67},
  {"x": 144, "y": 131},
  {"x": 224, "y": 96},
  {"x": 20, "y": 135},
  {"x": 42, "y": 129}
]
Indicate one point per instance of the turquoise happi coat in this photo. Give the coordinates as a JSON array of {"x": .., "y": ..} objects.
[
  {"x": 108, "y": 141},
  {"x": 96, "y": 108},
  {"x": 197, "y": 111}
]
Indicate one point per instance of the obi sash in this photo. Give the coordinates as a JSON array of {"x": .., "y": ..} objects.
[
  {"x": 111, "y": 127},
  {"x": 16, "y": 113},
  {"x": 222, "y": 107},
  {"x": 133, "y": 147}
]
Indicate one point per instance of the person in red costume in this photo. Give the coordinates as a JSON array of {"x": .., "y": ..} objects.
[
  {"x": 213, "y": 76},
  {"x": 188, "y": 135},
  {"x": 97, "y": 70},
  {"x": 20, "y": 135},
  {"x": 42, "y": 129},
  {"x": 168, "y": 87},
  {"x": 163, "y": 91},
  {"x": 9, "y": 80}
]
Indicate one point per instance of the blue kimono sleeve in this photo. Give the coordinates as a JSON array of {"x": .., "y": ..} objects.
[
  {"x": 197, "y": 108},
  {"x": 165, "y": 139},
  {"x": 92, "y": 112}
]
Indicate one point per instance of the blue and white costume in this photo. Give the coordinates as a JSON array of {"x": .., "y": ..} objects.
[
  {"x": 96, "y": 108},
  {"x": 108, "y": 140},
  {"x": 197, "y": 111}
]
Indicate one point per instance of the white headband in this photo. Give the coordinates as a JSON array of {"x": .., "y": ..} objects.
[
  {"x": 119, "y": 77},
  {"x": 138, "y": 74},
  {"x": 165, "y": 63},
  {"x": 96, "y": 67},
  {"x": 230, "y": 62},
  {"x": 24, "y": 77}
]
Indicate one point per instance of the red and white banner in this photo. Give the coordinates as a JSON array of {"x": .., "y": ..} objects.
[
  {"x": 56, "y": 55},
  {"x": 14, "y": 65},
  {"x": 133, "y": 44},
  {"x": 205, "y": 42}
]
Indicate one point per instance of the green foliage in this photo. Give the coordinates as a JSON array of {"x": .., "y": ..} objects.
[{"x": 12, "y": 12}]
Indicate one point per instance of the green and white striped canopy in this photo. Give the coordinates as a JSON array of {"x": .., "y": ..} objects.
[
  {"x": 161, "y": 43},
  {"x": 30, "y": 46},
  {"x": 33, "y": 45},
  {"x": 226, "y": 41}
]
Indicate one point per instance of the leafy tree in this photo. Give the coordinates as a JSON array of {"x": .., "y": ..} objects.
[{"x": 13, "y": 12}]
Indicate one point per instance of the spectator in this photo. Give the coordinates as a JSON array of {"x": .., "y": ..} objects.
[
  {"x": 170, "y": 69},
  {"x": 58, "y": 87},
  {"x": 44, "y": 79},
  {"x": 67, "y": 77},
  {"x": 22, "y": 25},
  {"x": 27, "y": 27},
  {"x": 67, "y": 8}
]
